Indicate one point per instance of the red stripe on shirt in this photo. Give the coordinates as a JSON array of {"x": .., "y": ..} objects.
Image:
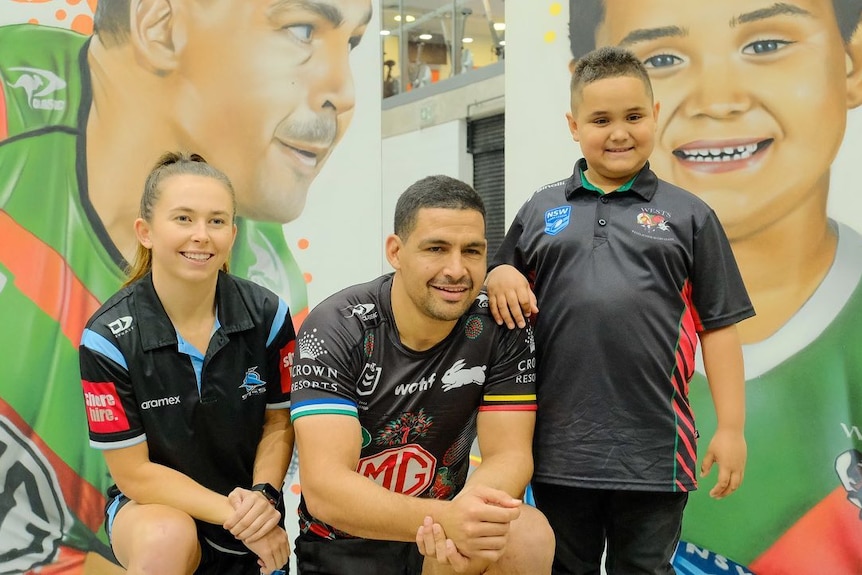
[
  {"x": 45, "y": 278},
  {"x": 508, "y": 407}
]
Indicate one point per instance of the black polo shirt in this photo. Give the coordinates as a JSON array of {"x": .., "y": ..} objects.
[
  {"x": 624, "y": 282},
  {"x": 203, "y": 419}
]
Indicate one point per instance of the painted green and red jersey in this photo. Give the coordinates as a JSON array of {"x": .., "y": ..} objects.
[
  {"x": 57, "y": 264},
  {"x": 798, "y": 509}
]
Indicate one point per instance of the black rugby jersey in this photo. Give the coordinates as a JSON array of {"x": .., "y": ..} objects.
[
  {"x": 417, "y": 409},
  {"x": 624, "y": 282},
  {"x": 205, "y": 422}
]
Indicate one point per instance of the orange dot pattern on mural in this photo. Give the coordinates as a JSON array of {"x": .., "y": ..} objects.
[
  {"x": 303, "y": 244},
  {"x": 80, "y": 23}
]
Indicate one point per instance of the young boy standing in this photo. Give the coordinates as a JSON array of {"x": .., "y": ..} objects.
[{"x": 629, "y": 271}]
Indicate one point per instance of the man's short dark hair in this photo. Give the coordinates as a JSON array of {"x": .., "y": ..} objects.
[
  {"x": 607, "y": 62},
  {"x": 111, "y": 22},
  {"x": 585, "y": 16},
  {"x": 434, "y": 192}
]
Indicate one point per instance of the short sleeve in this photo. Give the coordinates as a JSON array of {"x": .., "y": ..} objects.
[
  {"x": 280, "y": 349},
  {"x": 718, "y": 292},
  {"x": 325, "y": 371},
  {"x": 511, "y": 384},
  {"x": 112, "y": 412}
]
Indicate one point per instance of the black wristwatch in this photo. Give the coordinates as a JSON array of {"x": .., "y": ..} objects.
[{"x": 272, "y": 494}]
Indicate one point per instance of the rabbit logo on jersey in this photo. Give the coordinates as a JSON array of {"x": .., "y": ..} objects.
[
  {"x": 459, "y": 376},
  {"x": 557, "y": 219}
]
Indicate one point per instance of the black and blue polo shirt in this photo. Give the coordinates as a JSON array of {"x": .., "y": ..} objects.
[
  {"x": 201, "y": 415},
  {"x": 624, "y": 281}
]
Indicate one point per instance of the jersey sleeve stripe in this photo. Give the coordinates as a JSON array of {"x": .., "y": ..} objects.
[
  {"x": 105, "y": 445},
  {"x": 527, "y": 397},
  {"x": 324, "y": 406},
  {"x": 509, "y": 407},
  {"x": 280, "y": 405},
  {"x": 278, "y": 322},
  {"x": 100, "y": 344}
]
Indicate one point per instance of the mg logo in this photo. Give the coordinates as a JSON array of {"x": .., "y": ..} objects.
[{"x": 408, "y": 469}]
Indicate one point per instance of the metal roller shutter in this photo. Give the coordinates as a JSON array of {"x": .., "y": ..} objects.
[{"x": 486, "y": 141}]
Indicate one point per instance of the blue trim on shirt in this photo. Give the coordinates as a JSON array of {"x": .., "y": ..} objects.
[
  {"x": 278, "y": 322},
  {"x": 103, "y": 346}
]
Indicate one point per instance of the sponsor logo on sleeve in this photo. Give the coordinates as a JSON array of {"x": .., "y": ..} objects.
[
  {"x": 311, "y": 346},
  {"x": 104, "y": 410}
]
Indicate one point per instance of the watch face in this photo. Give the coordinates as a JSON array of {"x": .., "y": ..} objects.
[{"x": 269, "y": 492}]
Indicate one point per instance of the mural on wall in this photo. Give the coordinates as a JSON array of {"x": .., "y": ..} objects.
[
  {"x": 755, "y": 97},
  {"x": 263, "y": 90}
]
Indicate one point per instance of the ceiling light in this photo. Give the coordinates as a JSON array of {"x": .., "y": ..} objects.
[
  {"x": 408, "y": 18},
  {"x": 499, "y": 26},
  {"x": 425, "y": 36},
  {"x": 385, "y": 32},
  {"x": 467, "y": 40},
  {"x": 502, "y": 42}
]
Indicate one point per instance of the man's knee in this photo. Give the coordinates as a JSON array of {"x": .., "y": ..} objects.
[{"x": 531, "y": 545}]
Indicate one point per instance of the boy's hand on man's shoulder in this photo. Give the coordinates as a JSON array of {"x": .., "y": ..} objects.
[
  {"x": 728, "y": 449},
  {"x": 510, "y": 298}
]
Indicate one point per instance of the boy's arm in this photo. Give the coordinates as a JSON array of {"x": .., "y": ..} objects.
[
  {"x": 510, "y": 298},
  {"x": 722, "y": 358},
  {"x": 329, "y": 446}
]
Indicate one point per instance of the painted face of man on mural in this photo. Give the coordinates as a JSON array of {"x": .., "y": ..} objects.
[{"x": 261, "y": 87}]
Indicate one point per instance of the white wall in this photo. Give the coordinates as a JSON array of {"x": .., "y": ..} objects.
[
  {"x": 440, "y": 149},
  {"x": 539, "y": 148}
]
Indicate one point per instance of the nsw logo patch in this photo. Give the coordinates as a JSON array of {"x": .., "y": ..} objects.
[{"x": 557, "y": 219}]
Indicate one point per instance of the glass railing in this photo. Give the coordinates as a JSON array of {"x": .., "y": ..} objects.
[{"x": 425, "y": 42}]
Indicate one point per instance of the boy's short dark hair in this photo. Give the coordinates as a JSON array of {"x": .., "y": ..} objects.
[
  {"x": 434, "y": 192},
  {"x": 607, "y": 62},
  {"x": 586, "y": 15}
]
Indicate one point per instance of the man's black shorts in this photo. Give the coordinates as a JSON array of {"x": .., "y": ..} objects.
[{"x": 318, "y": 556}]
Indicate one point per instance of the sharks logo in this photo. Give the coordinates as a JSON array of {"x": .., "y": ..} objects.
[{"x": 252, "y": 384}]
